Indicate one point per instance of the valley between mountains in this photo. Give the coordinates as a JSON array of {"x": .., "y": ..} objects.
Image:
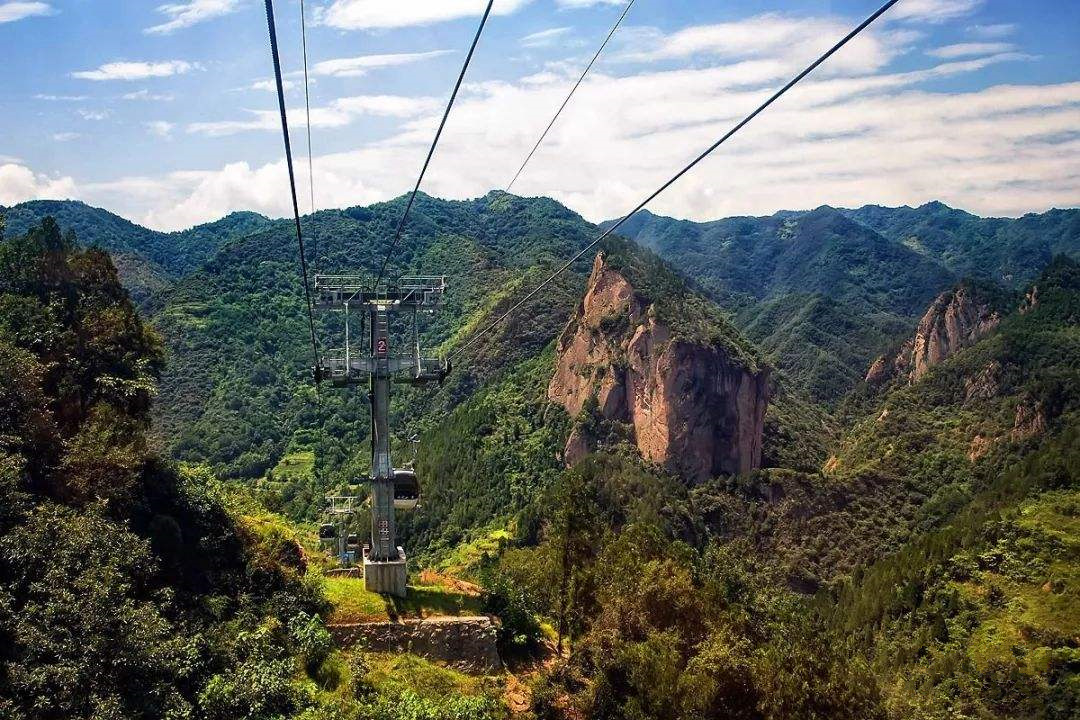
[{"x": 816, "y": 464}]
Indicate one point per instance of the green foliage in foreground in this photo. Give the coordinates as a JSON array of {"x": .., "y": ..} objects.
[
  {"x": 130, "y": 589},
  {"x": 978, "y": 619},
  {"x": 662, "y": 623}
]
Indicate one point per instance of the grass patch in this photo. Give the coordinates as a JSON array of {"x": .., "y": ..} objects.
[
  {"x": 353, "y": 603},
  {"x": 434, "y": 600},
  {"x": 294, "y": 465},
  {"x": 467, "y": 556},
  {"x": 391, "y": 673}
]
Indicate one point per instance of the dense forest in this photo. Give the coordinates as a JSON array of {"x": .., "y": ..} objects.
[
  {"x": 908, "y": 549},
  {"x": 131, "y": 587}
]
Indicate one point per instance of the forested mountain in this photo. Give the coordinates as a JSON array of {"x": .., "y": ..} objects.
[
  {"x": 177, "y": 253},
  {"x": 240, "y": 395},
  {"x": 907, "y": 549},
  {"x": 148, "y": 260},
  {"x": 941, "y": 540},
  {"x": 128, "y": 588},
  {"x": 1002, "y": 250},
  {"x": 824, "y": 291}
]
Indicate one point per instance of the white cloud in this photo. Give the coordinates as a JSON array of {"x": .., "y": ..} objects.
[
  {"x": 145, "y": 94},
  {"x": 12, "y": 11},
  {"x": 544, "y": 38},
  {"x": 184, "y": 15},
  {"x": 359, "y": 66},
  {"x": 370, "y": 14},
  {"x": 161, "y": 128},
  {"x": 62, "y": 98},
  {"x": 970, "y": 49},
  {"x": 339, "y": 113},
  {"x": 933, "y": 11},
  {"x": 587, "y": 3},
  {"x": 852, "y": 136},
  {"x": 19, "y": 184},
  {"x": 93, "y": 115},
  {"x": 66, "y": 136},
  {"x": 137, "y": 70},
  {"x": 784, "y": 40},
  {"x": 1004, "y": 150},
  {"x": 270, "y": 85},
  {"x": 992, "y": 32}
]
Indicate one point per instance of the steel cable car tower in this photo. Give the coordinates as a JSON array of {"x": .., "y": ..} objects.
[
  {"x": 377, "y": 365},
  {"x": 384, "y": 561}
]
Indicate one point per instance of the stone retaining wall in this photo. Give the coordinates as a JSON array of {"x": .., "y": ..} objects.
[{"x": 468, "y": 644}]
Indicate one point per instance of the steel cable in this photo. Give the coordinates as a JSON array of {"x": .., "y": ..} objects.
[
  {"x": 745, "y": 121},
  {"x": 573, "y": 90},
  {"x": 271, "y": 26},
  {"x": 434, "y": 144}
]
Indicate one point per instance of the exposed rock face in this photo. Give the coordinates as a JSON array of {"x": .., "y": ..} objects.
[
  {"x": 1030, "y": 419},
  {"x": 985, "y": 385},
  {"x": 689, "y": 406},
  {"x": 467, "y": 644},
  {"x": 955, "y": 320},
  {"x": 879, "y": 371}
]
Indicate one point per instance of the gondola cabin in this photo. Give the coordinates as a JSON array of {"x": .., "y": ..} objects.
[
  {"x": 406, "y": 490},
  {"x": 352, "y": 542},
  {"x": 327, "y": 531}
]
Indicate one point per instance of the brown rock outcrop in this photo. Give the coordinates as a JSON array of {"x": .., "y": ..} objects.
[
  {"x": 1030, "y": 419},
  {"x": 955, "y": 320},
  {"x": 689, "y": 406}
]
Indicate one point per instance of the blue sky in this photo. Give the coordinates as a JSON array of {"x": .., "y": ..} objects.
[{"x": 162, "y": 113}]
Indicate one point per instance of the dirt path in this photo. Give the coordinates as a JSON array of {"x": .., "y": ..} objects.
[{"x": 432, "y": 577}]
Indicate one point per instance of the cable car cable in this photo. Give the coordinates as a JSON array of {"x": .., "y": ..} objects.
[
  {"x": 271, "y": 26},
  {"x": 573, "y": 90},
  {"x": 434, "y": 144},
  {"x": 745, "y": 121},
  {"x": 311, "y": 161}
]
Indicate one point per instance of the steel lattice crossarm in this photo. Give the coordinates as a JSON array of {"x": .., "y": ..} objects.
[
  {"x": 342, "y": 368},
  {"x": 337, "y": 291},
  {"x": 355, "y": 364}
]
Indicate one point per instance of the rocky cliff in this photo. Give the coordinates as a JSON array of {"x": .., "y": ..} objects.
[
  {"x": 694, "y": 406},
  {"x": 956, "y": 319}
]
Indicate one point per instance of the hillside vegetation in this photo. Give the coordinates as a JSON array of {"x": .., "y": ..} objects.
[
  {"x": 132, "y": 588},
  {"x": 908, "y": 550},
  {"x": 824, "y": 292}
]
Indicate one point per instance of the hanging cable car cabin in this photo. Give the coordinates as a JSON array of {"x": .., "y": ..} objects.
[
  {"x": 327, "y": 531},
  {"x": 406, "y": 490}
]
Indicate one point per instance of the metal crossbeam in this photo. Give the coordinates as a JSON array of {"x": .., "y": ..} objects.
[
  {"x": 336, "y": 291},
  {"x": 341, "y": 368}
]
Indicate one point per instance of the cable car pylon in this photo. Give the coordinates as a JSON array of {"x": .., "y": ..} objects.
[{"x": 375, "y": 363}]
